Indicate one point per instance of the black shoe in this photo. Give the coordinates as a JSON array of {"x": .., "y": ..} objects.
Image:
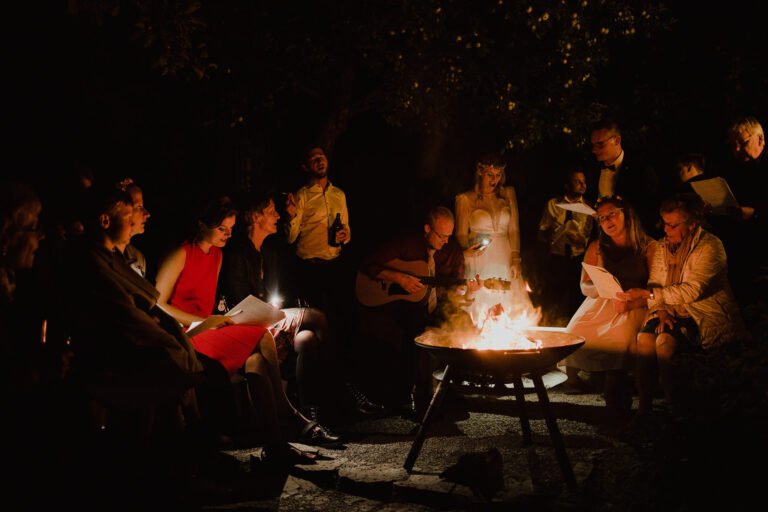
[
  {"x": 363, "y": 405},
  {"x": 316, "y": 434}
]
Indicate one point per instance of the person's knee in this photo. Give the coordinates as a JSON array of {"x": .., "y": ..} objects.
[
  {"x": 665, "y": 346},
  {"x": 305, "y": 342},
  {"x": 646, "y": 344}
]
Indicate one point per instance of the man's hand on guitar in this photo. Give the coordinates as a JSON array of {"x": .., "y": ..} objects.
[
  {"x": 409, "y": 283},
  {"x": 474, "y": 284}
]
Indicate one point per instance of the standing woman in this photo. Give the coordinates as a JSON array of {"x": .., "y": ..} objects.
[
  {"x": 487, "y": 224},
  {"x": 610, "y": 326},
  {"x": 187, "y": 281}
]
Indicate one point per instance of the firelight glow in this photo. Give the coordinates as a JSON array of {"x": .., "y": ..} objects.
[{"x": 504, "y": 332}]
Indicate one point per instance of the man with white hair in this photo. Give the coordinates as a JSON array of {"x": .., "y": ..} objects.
[{"x": 748, "y": 180}]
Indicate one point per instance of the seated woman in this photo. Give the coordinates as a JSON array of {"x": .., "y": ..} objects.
[
  {"x": 247, "y": 269},
  {"x": 690, "y": 300},
  {"x": 610, "y": 326},
  {"x": 187, "y": 281}
]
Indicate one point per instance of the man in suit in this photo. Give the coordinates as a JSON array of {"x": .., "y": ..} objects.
[
  {"x": 747, "y": 177},
  {"x": 620, "y": 174}
]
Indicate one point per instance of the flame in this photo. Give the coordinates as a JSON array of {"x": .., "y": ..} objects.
[
  {"x": 500, "y": 331},
  {"x": 501, "y": 320}
]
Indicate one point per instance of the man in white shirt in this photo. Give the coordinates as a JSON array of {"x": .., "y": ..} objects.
[
  {"x": 322, "y": 278},
  {"x": 565, "y": 233}
]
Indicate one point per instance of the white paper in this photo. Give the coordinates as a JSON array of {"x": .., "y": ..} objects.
[
  {"x": 577, "y": 207},
  {"x": 606, "y": 283},
  {"x": 250, "y": 310},
  {"x": 715, "y": 192}
]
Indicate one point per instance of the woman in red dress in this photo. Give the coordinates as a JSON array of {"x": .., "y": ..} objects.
[{"x": 187, "y": 281}]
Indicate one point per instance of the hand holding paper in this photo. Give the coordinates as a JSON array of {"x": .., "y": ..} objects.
[
  {"x": 250, "y": 310},
  {"x": 606, "y": 283}
]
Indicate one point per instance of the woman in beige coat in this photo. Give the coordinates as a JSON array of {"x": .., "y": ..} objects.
[{"x": 690, "y": 302}]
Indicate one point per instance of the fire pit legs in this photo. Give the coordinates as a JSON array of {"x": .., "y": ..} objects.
[
  {"x": 517, "y": 380},
  {"x": 525, "y": 425},
  {"x": 554, "y": 432},
  {"x": 422, "y": 433}
]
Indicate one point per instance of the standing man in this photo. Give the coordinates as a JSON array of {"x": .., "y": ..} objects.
[
  {"x": 748, "y": 179},
  {"x": 565, "y": 234},
  {"x": 312, "y": 211},
  {"x": 619, "y": 174}
]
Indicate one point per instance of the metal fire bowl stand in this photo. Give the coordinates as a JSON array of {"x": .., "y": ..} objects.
[{"x": 506, "y": 366}]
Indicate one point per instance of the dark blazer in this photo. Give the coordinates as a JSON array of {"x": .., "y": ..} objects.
[
  {"x": 118, "y": 332},
  {"x": 637, "y": 183}
]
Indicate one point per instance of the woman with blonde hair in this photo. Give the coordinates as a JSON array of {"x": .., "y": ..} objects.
[
  {"x": 487, "y": 223},
  {"x": 610, "y": 325}
]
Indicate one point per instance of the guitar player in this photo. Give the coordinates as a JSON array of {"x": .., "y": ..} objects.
[{"x": 403, "y": 374}]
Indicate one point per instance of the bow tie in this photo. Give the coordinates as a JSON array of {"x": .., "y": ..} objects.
[{"x": 610, "y": 168}]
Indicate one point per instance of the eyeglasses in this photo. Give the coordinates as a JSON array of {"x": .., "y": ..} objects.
[
  {"x": 673, "y": 226},
  {"x": 741, "y": 143},
  {"x": 609, "y": 216},
  {"x": 442, "y": 238},
  {"x": 600, "y": 144}
]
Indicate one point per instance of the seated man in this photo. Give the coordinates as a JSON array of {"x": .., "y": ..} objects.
[
  {"x": 393, "y": 322},
  {"x": 302, "y": 337},
  {"x": 689, "y": 298}
]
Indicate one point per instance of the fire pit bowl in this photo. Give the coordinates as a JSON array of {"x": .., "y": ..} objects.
[{"x": 555, "y": 346}]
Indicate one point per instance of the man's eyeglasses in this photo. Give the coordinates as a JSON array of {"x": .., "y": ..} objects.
[
  {"x": 609, "y": 216},
  {"x": 600, "y": 144},
  {"x": 738, "y": 143},
  {"x": 442, "y": 238},
  {"x": 673, "y": 226}
]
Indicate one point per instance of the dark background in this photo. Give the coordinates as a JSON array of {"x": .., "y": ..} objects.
[{"x": 88, "y": 87}]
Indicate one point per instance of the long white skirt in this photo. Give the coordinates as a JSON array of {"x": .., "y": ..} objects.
[{"x": 608, "y": 335}]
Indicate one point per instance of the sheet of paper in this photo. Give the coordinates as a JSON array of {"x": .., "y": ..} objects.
[
  {"x": 252, "y": 310},
  {"x": 577, "y": 207},
  {"x": 606, "y": 283},
  {"x": 716, "y": 192}
]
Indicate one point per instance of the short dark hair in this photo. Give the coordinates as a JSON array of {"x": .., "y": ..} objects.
[
  {"x": 697, "y": 160},
  {"x": 101, "y": 199},
  {"x": 606, "y": 124},
  {"x": 438, "y": 212},
  {"x": 215, "y": 211},
  {"x": 255, "y": 203}
]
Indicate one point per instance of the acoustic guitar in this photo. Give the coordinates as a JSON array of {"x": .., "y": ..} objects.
[{"x": 377, "y": 292}]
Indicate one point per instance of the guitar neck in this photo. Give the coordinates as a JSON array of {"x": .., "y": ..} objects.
[{"x": 441, "y": 281}]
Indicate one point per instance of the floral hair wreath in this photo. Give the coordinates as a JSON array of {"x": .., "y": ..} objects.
[
  {"x": 124, "y": 184},
  {"x": 607, "y": 199}
]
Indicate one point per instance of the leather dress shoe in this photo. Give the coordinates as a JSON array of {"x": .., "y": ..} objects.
[
  {"x": 363, "y": 404},
  {"x": 316, "y": 434}
]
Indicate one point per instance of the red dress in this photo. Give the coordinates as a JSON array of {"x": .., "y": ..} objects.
[{"x": 195, "y": 293}]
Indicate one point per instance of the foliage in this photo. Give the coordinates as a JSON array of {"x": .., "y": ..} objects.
[{"x": 530, "y": 68}]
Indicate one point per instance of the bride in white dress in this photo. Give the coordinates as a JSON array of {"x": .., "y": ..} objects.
[{"x": 489, "y": 212}]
